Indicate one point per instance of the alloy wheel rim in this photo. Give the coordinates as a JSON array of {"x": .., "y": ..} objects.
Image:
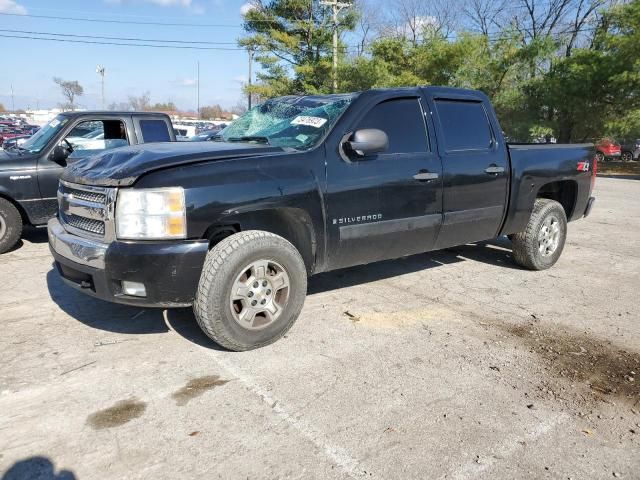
[
  {"x": 549, "y": 236},
  {"x": 259, "y": 294},
  {"x": 3, "y": 227}
]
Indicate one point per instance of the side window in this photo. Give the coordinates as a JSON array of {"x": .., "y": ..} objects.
[
  {"x": 465, "y": 125},
  {"x": 403, "y": 122},
  {"x": 154, "y": 131},
  {"x": 91, "y": 137}
]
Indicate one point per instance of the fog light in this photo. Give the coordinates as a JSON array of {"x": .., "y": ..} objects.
[{"x": 135, "y": 289}]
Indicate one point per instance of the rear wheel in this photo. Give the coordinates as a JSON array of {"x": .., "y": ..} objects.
[
  {"x": 627, "y": 157},
  {"x": 10, "y": 225},
  {"x": 540, "y": 245},
  {"x": 251, "y": 290},
  {"x": 600, "y": 157}
]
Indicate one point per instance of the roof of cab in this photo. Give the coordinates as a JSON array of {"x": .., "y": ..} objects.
[{"x": 121, "y": 113}]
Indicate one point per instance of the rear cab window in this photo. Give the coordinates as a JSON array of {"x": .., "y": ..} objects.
[
  {"x": 465, "y": 125},
  {"x": 154, "y": 130}
]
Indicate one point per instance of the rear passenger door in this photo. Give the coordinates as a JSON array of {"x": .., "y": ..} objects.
[
  {"x": 476, "y": 171},
  {"x": 386, "y": 205}
]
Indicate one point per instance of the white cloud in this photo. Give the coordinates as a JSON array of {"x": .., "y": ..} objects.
[
  {"x": 247, "y": 7},
  {"x": 11, "y": 6},
  {"x": 187, "y": 82},
  {"x": 172, "y": 3},
  {"x": 186, "y": 4}
]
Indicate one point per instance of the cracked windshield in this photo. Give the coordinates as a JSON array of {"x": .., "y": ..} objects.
[{"x": 289, "y": 122}]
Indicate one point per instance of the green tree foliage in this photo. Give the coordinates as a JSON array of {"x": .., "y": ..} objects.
[
  {"x": 292, "y": 40},
  {"x": 571, "y": 71}
]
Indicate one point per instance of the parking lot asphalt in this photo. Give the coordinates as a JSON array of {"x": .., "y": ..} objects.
[{"x": 453, "y": 364}]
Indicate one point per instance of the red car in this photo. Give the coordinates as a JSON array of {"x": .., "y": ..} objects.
[{"x": 607, "y": 149}]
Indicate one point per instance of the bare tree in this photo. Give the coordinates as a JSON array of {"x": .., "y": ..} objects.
[
  {"x": 585, "y": 13},
  {"x": 417, "y": 19},
  {"x": 141, "y": 103},
  {"x": 369, "y": 22},
  {"x": 70, "y": 90},
  {"x": 485, "y": 15}
]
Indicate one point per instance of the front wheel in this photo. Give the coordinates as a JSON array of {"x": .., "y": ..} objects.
[
  {"x": 251, "y": 291},
  {"x": 627, "y": 157},
  {"x": 540, "y": 245},
  {"x": 10, "y": 225},
  {"x": 600, "y": 157}
]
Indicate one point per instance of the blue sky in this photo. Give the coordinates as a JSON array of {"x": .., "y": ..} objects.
[{"x": 167, "y": 74}]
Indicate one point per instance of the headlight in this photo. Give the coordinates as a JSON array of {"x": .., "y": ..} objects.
[{"x": 151, "y": 214}]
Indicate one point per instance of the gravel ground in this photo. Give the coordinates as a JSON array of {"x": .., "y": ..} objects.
[{"x": 452, "y": 364}]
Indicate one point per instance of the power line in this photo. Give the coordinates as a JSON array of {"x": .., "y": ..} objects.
[
  {"x": 129, "y": 22},
  {"x": 126, "y": 39},
  {"x": 119, "y": 44}
]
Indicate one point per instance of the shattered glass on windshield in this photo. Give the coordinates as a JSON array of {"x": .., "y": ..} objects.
[{"x": 289, "y": 122}]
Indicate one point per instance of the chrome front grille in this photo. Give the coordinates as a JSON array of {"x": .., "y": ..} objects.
[
  {"x": 86, "y": 224},
  {"x": 87, "y": 211},
  {"x": 94, "y": 197}
]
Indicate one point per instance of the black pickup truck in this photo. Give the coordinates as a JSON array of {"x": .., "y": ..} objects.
[
  {"x": 306, "y": 184},
  {"x": 29, "y": 172}
]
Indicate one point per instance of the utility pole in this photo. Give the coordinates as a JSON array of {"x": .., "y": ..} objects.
[
  {"x": 336, "y": 7},
  {"x": 198, "y": 81},
  {"x": 13, "y": 101},
  {"x": 251, "y": 53},
  {"x": 100, "y": 71}
]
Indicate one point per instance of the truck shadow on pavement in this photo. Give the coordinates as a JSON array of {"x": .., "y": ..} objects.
[
  {"x": 40, "y": 468},
  {"x": 123, "y": 319},
  {"x": 31, "y": 235}
]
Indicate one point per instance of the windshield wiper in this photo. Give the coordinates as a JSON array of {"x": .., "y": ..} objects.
[{"x": 249, "y": 138}]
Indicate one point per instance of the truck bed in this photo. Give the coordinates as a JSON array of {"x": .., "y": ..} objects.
[{"x": 534, "y": 165}]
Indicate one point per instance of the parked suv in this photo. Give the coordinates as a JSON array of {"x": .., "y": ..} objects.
[{"x": 630, "y": 150}]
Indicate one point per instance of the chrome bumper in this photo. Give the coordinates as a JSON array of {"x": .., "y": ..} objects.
[{"x": 77, "y": 249}]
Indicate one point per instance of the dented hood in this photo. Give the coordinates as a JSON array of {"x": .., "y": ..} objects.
[{"x": 123, "y": 166}]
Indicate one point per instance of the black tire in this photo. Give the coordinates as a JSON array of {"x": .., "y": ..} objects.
[
  {"x": 626, "y": 156},
  {"x": 10, "y": 225},
  {"x": 527, "y": 246},
  {"x": 600, "y": 157},
  {"x": 222, "y": 267}
]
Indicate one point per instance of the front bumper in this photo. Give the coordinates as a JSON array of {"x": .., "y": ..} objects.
[{"x": 170, "y": 270}]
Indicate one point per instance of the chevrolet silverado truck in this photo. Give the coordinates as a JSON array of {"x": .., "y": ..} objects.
[
  {"x": 29, "y": 172},
  {"x": 307, "y": 184}
]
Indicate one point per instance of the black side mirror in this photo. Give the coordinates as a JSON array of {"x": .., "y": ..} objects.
[
  {"x": 368, "y": 141},
  {"x": 59, "y": 155}
]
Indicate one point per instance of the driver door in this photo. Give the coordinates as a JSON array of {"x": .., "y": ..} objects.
[{"x": 386, "y": 205}]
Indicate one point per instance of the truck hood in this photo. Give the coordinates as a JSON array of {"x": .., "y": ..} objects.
[
  {"x": 121, "y": 167},
  {"x": 12, "y": 160}
]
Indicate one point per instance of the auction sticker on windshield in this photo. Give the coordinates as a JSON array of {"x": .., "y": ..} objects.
[{"x": 316, "y": 122}]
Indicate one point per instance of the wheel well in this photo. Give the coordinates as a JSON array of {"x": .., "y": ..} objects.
[
  {"x": 291, "y": 224},
  {"x": 23, "y": 213},
  {"x": 564, "y": 192}
]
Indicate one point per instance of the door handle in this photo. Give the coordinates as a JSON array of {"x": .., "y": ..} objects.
[
  {"x": 425, "y": 176},
  {"x": 494, "y": 169}
]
